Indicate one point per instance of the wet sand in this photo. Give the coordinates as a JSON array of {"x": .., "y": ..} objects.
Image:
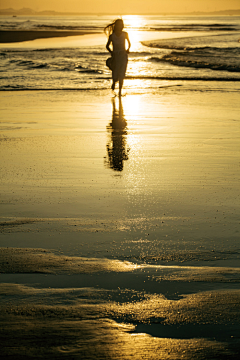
[
  {"x": 120, "y": 231},
  {"x": 14, "y": 36}
]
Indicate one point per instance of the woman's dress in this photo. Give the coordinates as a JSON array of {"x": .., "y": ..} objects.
[{"x": 120, "y": 57}]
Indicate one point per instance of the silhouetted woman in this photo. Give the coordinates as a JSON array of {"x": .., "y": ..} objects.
[{"x": 117, "y": 39}]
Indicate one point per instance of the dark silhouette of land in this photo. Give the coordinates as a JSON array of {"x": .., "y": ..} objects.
[
  {"x": 28, "y": 11},
  {"x": 12, "y": 36}
]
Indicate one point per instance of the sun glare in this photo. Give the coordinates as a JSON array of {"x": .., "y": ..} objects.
[
  {"x": 131, "y": 107},
  {"x": 134, "y": 25},
  {"x": 133, "y": 22}
]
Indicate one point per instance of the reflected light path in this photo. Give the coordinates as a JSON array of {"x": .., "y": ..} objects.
[
  {"x": 132, "y": 108},
  {"x": 133, "y": 24}
]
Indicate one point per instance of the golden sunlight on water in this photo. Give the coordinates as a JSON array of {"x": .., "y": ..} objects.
[
  {"x": 133, "y": 23},
  {"x": 132, "y": 107},
  {"x": 135, "y": 38},
  {"x": 123, "y": 134}
]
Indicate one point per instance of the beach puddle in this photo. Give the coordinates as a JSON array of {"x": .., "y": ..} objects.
[
  {"x": 85, "y": 323},
  {"x": 103, "y": 339}
]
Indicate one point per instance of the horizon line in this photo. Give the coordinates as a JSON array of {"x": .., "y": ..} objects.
[{"x": 52, "y": 12}]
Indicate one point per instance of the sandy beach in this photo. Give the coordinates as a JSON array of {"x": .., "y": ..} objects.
[
  {"x": 120, "y": 224},
  {"x": 119, "y": 217}
]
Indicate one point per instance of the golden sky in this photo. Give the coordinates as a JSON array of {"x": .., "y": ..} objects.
[{"x": 123, "y": 6}]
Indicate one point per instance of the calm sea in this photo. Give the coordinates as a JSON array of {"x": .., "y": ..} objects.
[{"x": 163, "y": 48}]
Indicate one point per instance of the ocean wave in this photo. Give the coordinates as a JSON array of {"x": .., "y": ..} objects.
[
  {"x": 140, "y": 53},
  {"x": 197, "y": 64},
  {"x": 64, "y": 69},
  {"x": 196, "y": 27},
  {"x": 22, "y": 62},
  {"x": 226, "y": 42},
  {"x": 31, "y": 25},
  {"x": 183, "y": 78},
  {"x": 69, "y": 27},
  {"x": 61, "y": 64},
  {"x": 132, "y": 53},
  {"x": 39, "y": 66},
  {"x": 88, "y": 71},
  {"x": 26, "y": 88},
  {"x": 175, "y": 46},
  {"x": 44, "y": 50},
  {"x": 34, "y": 25},
  {"x": 58, "y": 50},
  {"x": 155, "y": 59},
  {"x": 29, "y": 64},
  {"x": 97, "y": 88}
]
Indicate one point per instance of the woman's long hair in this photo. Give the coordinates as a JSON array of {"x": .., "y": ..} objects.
[{"x": 109, "y": 29}]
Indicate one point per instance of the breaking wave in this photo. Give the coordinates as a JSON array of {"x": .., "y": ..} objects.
[
  {"x": 218, "y": 52},
  {"x": 198, "y": 64}
]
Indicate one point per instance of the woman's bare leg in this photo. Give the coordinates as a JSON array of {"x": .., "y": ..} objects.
[
  {"x": 113, "y": 85},
  {"x": 120, "y": 87}
]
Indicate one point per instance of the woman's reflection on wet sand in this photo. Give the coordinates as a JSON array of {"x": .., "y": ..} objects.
[{"x": 117, "y": 150}]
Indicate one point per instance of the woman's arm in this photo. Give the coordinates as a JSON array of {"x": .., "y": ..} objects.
[
  {"x": 129, "y": 44},
  {"x": 108, "y": 44}
]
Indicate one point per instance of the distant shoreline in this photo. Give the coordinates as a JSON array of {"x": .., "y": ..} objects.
[
  {"x": 12, "y": 36},
  {"x": 30, "y": 12}
]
